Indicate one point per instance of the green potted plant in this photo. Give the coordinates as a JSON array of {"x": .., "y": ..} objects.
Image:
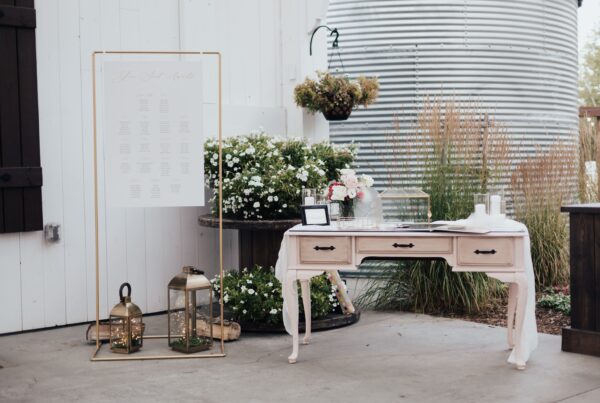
[
  {"x": 336, "y": 96},
  {"x": 263, "y": 178},
  {"x": 263, "y": 175},
  {"x": 254, "y": 299}
]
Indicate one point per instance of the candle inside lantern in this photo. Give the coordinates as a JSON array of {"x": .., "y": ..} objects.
[
  {"x": 495, "y": 202},
  {"x": 480, "y": 209}
]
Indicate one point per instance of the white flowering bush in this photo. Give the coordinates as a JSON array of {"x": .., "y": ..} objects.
[
  {"x": 263, "y": 177},
  {"x": 255, "y": 296}
]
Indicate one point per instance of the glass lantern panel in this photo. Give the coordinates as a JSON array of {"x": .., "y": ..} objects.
[
  {"x": 410, "y": 205},
  {"x": 201, "y": 329},
  {"x": 194, "y": 335},
  {"x": 137, "y": 332},
  {"x": 119, "y": 333},
  {"x": 176, "y": 315}
]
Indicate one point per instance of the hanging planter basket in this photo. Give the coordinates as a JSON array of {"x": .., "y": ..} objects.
[
  {"x": 329, "y": 89},
  {"x": 335, "y": 96},
  {"x": 338, "y": 113}
]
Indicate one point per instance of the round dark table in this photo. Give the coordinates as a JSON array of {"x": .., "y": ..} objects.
[{"x": 259, "y": 240}]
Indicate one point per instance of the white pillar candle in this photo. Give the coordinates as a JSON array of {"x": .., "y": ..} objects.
[
  {"x": 495, "y": 202},
  {"x": 309, "y": 201},
  {"x": 480, "y": 209}
]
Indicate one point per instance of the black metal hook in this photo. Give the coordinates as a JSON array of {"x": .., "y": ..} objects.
[{"x": 333, "y": 31}]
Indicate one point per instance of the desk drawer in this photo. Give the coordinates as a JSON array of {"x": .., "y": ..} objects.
[
  {"x": 403, "y": 245},
  {"x": 485, "y": 252},
  {"x": 337, "y": 249}
]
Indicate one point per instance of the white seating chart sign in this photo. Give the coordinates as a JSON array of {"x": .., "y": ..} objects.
[{"x": 153, "y": 133}]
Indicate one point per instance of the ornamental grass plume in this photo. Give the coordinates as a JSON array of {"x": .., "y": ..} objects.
[
  {"x": 587, "y": 175},
  {"x": 540, "y": 185},
  {"x": 465, "y": 152},
  {"x": 453, "y": 151}
]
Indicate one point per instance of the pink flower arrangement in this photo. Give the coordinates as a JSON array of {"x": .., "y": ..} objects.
[{"x": 349, "y": 187}]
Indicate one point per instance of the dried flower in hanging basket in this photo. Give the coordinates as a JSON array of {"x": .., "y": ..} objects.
[{"x": 336, "y": 96}]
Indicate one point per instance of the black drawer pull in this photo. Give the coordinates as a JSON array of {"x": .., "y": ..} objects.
[
  {"x": 403, "y": 245},
  {"x": 324, "y": 247},
  {"x": 486, "y": 252}
]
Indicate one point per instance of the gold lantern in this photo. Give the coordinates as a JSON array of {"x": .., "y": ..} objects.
[
  {"x": 185, "y": 291},
  {"x": 125, "y": 324}
]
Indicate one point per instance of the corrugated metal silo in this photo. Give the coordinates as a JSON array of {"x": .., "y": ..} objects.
[{"x": 516, "y": 58}]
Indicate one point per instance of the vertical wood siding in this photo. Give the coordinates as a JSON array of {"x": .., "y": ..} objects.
[{"x": 47, "y": 284}]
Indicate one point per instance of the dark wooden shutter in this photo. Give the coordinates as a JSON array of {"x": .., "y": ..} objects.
[{"x": 20, "y": 171}]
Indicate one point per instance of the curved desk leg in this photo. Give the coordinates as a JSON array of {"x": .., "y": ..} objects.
[
  {"x": 305, "y": 284},
  {"x": 510, "y": 315},
  {"x": 291, "y": 300},
  {"x": 520, "y": 318}
]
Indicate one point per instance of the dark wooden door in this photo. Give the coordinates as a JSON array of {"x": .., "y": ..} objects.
[{"x": 20, "y": 170}]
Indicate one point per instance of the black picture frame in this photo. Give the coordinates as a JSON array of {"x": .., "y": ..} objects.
[{"x": 310, "y": 221}]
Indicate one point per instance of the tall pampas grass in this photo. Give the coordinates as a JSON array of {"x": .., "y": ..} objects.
[
  {"x": 460, "y": 151},
  {"x": 540, "y": 185},
  {"x": 588, "y": 151}
]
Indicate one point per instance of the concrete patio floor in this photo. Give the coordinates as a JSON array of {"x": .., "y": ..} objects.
[{"x": 386, "y": 357}]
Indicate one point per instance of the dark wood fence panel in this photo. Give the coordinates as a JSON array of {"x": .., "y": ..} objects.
[{"x": 20, "y": 171}]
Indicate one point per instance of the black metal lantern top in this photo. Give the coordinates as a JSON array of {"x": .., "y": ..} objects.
[
  {"x": 125, "y": 308},
  {"x": 189, "y": 279}
]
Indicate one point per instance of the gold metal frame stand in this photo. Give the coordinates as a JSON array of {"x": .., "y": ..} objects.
[{"x": 96, "y": 223}]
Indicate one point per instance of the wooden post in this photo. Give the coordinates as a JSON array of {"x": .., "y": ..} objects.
[
  {"x": 594, "y": 112},
  {"x": 584, "y": 334}
]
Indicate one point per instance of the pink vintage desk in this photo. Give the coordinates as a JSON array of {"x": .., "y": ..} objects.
[{"x": 310, "y": 252}]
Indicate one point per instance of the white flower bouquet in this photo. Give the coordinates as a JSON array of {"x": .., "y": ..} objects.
[{"x": 263, "y": 176}]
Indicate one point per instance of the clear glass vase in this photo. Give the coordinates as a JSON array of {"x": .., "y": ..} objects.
[{"x": 347, "y": 209}]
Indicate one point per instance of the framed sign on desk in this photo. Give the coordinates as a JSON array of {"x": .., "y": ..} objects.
[{"x": 315, "y": 215}]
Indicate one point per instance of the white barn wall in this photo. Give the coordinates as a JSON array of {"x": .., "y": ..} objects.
[{"x": 44, "y": 284}]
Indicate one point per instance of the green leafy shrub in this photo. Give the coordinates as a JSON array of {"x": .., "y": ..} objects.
[
  {"x": 556, "y": 301},
  {"x": 263, "y": 176},
  {"x": 255, "y": 295}
]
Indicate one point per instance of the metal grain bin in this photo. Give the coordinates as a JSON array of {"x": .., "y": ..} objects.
[{"x": 516, "y": 58}]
